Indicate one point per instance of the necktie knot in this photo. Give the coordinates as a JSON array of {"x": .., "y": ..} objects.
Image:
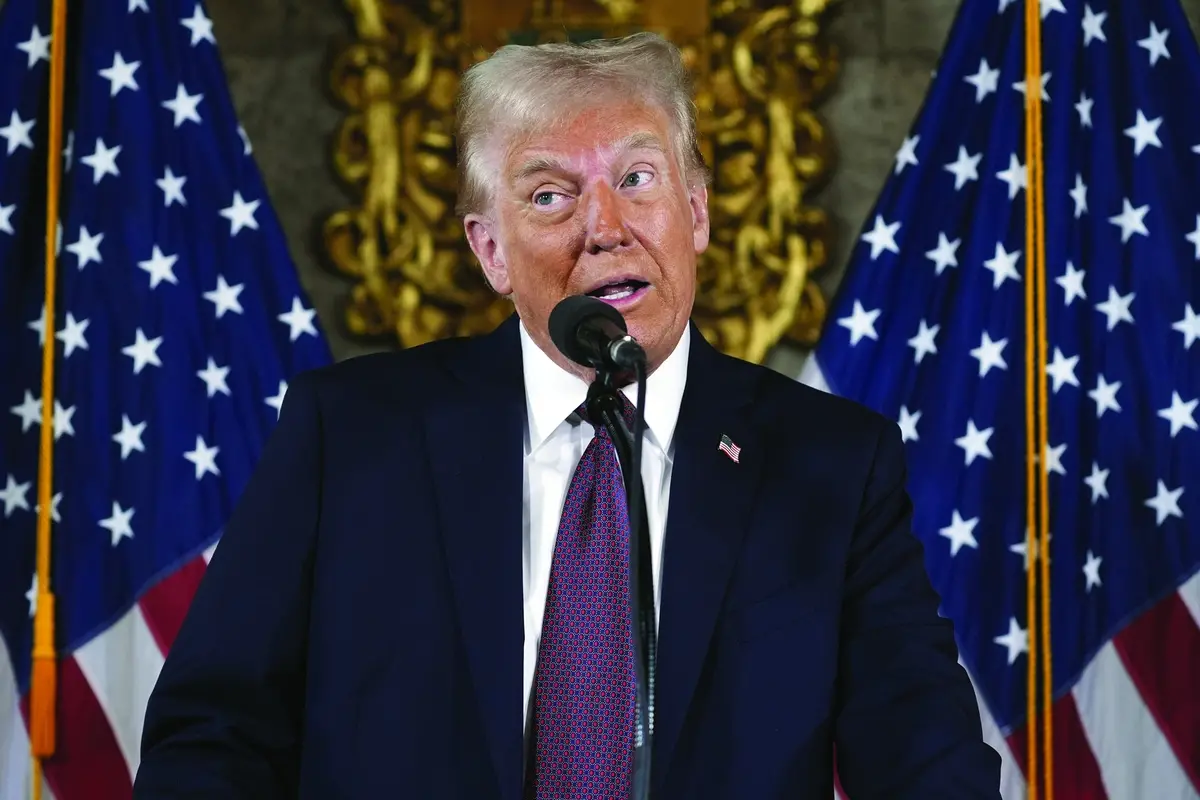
[{"x": 628, "y": 412}]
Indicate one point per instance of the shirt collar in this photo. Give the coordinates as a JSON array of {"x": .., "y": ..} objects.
[{"x": 552, "y": 394}]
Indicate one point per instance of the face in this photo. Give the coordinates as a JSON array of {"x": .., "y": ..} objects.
[{"x": 596, "y": 206}]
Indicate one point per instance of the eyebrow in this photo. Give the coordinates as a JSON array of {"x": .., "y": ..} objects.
[{"x": 643, "y": 140}]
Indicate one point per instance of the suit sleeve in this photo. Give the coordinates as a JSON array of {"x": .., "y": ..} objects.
[
  {"x": 225, "y": 716},
  {"x": 908, "y": 722}
]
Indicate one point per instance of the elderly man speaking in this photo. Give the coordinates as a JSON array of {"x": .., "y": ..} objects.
[{"x": 424, "y": 591}]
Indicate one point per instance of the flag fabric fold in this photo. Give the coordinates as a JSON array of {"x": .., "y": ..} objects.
[
  {"x": 180, "y": 320},
  {"x": 929, "y": 328}
]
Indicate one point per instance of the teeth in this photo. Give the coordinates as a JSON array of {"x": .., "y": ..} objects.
[{"x": 619, "y": 295}]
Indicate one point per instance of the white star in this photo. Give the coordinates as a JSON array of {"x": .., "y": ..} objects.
[
  {"x": 30, "y": 411},
  {"x": 923, "y": 343},
  {"x": 184, "y": 106},
  {"x": 172, "y": 188},
  {"x": 1016, "y": 641},
  {"x": 87, "y": 247},
  {"x": 1093, "y": 25},
  {"x": 143, "y": 351},
  {"x": 1024, "y": 547},
  {"x": 38, "y": 326},
  {"x": 69, "y": 153},
  {"x": 1091, "y": 571},
  {"x": 907, "y": 154},
  {"x": 1097, "y": 482},
  {"x": 299, "y": 320},
  {"x": 1045, "y": 78},
  {"x": 945, "y": 254},
  {"x": 276, "y": 402},
  {"x": 1165, "y": 503},
  {"x": 120, "y": 75},
  {"x": 130, "y": 437},
  {"x": 14, "y": 496},
  {"x": 16, "y": 132},
  {"x": 1054, "y": 459},
  {"x": 860, "y": 323},
  {"x": 204, "y": 457},
  {"x": 1189, "y": 326},
  {"x": 103, "y": 161},
  {"x": 1079, "y": 195},
  {"x": 1072, "y": 284},
  {"x": 1014, "y": 176},
  {"x": 54, "y": 503},
  {"x": 1062, "y": 370},
  {"x": 1005, "y": 4},
  {"x": 990, "y": 354},
  {"x": 908, "y": 424},
  {"x": 1048, "y": 6},
  {"x": 161, "y": 267},
  {"x": 1156, "y": 44},
  {"x": 31, "y": 596},
  {"x": 6, "y": 213},
  {"x": 240, "y": 214},
  {"x": 961, "y": 533},
  {"x": 1194, "y": 238},
  {"x": 137, "y": 5},
  {"x": 964, "y": 168},
  {"x": 984, "y": 80},
  {"x": 1084, "y": 107},
  {"x": 118, "y": 524},
  {"x": 1144, "y": 132},
  {"x": 72, "y": 335},
  {"x": 62, "y": 420},
  {"x": 214, "y": 378},
  {"x": 975, "y": 442},
  {"x": 882, "y": 237},
  {"x": 1003, "y": 265},
  {"x": 245, "y": 137},
  {"x": 37, "y": 47},
  {"x": 1131, "y": 220},
  {"x": 1116, "y": 308},
  {"x": 199, "y": 25},
  {"x": 1105, "y": 395},
  {"x": 225, "y": 297},
  {"x": 1181, "y": 415}
]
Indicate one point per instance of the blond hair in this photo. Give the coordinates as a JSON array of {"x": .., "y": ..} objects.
[{"x": 520, "y": 88}]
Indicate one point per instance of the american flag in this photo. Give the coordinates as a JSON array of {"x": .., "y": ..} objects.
[
  {"x": 928, "y": 328},
  {"x": 729, "y": 448},
  {"x": 179, "y": 322}
]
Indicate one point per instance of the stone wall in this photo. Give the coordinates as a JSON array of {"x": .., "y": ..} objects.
[{"x": 275, "y": 54}]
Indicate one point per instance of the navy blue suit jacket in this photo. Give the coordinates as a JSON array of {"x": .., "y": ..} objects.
[{"x": 359, "y": 630}]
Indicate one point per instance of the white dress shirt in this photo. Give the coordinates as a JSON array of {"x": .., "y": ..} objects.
[{"x": 554, "y": 444}]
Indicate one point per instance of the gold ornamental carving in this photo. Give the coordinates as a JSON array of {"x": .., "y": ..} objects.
[{"x": 760, "y": 71}]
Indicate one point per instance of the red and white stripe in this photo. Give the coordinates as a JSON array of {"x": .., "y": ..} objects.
[
  {"x": 1130, "y": 727},
  {"x": 103, "y": 689}
]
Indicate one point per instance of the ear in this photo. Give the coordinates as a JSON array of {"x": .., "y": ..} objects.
[
  {"x": 698, "y": 199},
  {"x": 481, "y": 235}
]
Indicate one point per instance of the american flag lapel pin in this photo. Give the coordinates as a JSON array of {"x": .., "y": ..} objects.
[{"x": 729, "y": 448}]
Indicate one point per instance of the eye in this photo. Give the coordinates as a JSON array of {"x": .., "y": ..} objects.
[
  {"x": 543, "y": 198},
  {"x": 638, "y": 178}
]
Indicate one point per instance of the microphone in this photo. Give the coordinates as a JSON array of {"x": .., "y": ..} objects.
[{"x": 593, "y": 333}]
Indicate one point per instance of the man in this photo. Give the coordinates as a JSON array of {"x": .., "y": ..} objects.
[{"x": 421, "y": 595}]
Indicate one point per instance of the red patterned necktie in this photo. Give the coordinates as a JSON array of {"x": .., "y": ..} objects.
[{"x": 586, "y": 694}]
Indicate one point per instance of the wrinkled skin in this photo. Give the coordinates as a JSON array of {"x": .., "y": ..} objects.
[{"x": 598, "y": 198}]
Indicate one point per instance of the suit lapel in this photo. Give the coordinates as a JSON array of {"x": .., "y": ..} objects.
[
  {"x": 475, "y": 446},
  {"x": 711, "y": 507}
]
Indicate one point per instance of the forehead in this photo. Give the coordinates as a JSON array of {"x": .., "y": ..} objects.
[{"x": 592, "y": 135}]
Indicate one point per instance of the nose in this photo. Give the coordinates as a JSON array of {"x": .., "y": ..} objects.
[{"x": 606, "y": 230}]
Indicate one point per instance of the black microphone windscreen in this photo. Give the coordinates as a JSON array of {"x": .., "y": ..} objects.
[{"x": 569, "y": 314}]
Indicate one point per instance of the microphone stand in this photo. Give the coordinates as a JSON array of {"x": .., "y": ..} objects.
[{"x": 603, "y": 404}]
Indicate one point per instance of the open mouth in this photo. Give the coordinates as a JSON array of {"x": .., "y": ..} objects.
[{"x": 619, "y": 290}]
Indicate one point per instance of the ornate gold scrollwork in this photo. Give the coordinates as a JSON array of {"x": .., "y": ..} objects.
[{"x": 759, "y": 73}]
